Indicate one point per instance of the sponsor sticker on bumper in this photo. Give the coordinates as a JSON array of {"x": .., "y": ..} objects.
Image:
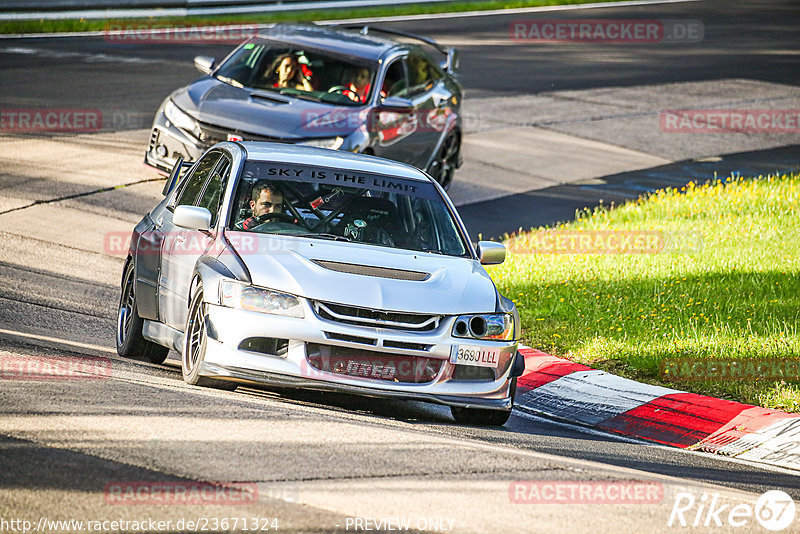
[{"x": 474, "y": 355}]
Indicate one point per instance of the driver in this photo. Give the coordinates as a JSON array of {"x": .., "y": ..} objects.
[{"x": 265, "y": 199}]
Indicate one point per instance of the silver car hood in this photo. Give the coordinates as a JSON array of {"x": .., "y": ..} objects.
[{"x": 455, "y": 285}]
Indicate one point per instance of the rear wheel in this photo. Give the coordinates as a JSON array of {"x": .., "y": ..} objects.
[
  {"x": 482, "y": 416},
  {"x": 443, "y": 167},
  {"x": 194, "y": 346},
  {"x": 130, "y": 342}
]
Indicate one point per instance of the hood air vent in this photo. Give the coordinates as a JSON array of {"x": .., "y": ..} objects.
[{"x": 368, "y": 270}]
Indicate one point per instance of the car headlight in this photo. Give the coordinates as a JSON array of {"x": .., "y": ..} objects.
[
  {"x": 246, "y": 297},
  {"x": 498, "y": 327},
  {"x": 179, "y": 118},
  {"x": 334, "y": 143}
]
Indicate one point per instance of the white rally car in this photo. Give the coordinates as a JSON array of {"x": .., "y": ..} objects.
[{"x": 303, "y": 267}]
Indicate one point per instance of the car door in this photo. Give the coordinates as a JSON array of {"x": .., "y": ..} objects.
[
  {"x": 394, "y": 128},
  {"x": 182, "y": 247},
  {"x": 149, "y": 250},
  {"x": 431, "y": 101}
]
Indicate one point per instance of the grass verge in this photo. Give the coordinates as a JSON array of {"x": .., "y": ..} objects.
[
  {"x": 725, "y": 286},
  {"x": 83, "y": 25}
]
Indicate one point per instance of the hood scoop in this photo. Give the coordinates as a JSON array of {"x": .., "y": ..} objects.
[
  {"x": 271, "y": 97},
  {"x": 369, "y": 270}
]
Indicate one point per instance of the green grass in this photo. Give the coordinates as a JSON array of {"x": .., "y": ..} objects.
[
  {"x": 730, "y": 289},
  {"x": 75, "y": 25}
]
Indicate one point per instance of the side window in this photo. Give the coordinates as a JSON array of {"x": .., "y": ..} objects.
[
  {"x": 211, "y": 198},
  {"x": 422, "y": 75},
  {"x": 395, "y": 83},
  {"x": 194, "y": 183}
]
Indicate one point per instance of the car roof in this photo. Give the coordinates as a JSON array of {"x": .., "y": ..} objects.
[
  {"x": 333, "y": 39},
  {"x": 323, "y": 157}
]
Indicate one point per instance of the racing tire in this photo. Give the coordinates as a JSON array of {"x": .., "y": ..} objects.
[
  {"x": 194, "y": 346},
  {"x": 443, "y": 167},
  {"x": 130, "y": 342},
  {"x": 482, "y": 416}
]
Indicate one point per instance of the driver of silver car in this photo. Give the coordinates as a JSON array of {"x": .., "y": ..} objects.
[{"x": 265, "y": 200}]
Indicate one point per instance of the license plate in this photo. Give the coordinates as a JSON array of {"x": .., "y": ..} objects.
[{"x": 474, "y": 355}]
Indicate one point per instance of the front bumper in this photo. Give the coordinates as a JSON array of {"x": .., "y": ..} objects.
[
  {"x": 167, "y": 143},
  {"x": 228, "y": 327}
]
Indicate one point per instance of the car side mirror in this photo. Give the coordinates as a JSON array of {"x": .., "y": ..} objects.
[
  {"x": 173, "y": 177},
  {"x": 204, "y": 64},
  {"x": 491, "y": 253},
  {"x": 192, "y": 218},
  {"x": 397, "y": 104},
  {"x": 452, "y": 62}
]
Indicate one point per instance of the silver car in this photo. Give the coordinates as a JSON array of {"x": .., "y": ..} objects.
[{"x": 302, "y": 267}]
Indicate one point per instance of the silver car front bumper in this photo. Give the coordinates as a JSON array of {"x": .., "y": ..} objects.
[{"x": 228, "y": 327}]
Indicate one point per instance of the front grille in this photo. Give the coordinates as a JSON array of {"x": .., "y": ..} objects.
[
  {"x": 369, "y": 270},
  {"x": 210, "y": 135},
  {"x": 389, "y": 344},
  {"x": 352, "y": 315},
  {"x": 352, "y": 339},
  {"x": 372, "y": 365}
]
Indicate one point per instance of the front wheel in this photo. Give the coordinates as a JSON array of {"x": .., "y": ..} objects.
[
  {"x": 482, "y": 416},
  {"x": 443, "y": 167},
  {"x": 195, "y": 343},
  {"x": 130, "y": 342}
]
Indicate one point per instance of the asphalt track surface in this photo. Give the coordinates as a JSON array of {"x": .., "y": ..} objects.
[{"x": 383, "y": 440}]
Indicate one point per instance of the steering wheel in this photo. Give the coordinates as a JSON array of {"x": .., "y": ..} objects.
[
  {"x": 349, "y": 93},
  {"x": 285, "y": 217}
]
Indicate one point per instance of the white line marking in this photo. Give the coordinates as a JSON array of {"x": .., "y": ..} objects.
[
  {"x": 399, "y": 18},
  {"x": 88, "y": 58},
  {"x": 76, "y": 344}
]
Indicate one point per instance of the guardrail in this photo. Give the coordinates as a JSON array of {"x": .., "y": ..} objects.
[
  {"x": 100, "y": 9},
  {"x": 70, "y": 5}
]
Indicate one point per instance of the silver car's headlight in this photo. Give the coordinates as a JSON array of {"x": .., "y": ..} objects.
[
  {"x": 246, "y": 297},
  {"x": 498, "y": 326},
  {"x": 179, "y": 118},
  {"x": 334, "y": 143}
]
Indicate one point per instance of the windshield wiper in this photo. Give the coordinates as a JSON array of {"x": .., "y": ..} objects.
[
  {"x": 229, "y": 81},
  {"x": 301, "y": 96},
  {"x": 333, "y": 237}
]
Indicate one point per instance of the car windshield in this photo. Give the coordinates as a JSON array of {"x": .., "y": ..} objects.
[
  {"x": 339, "y": 204},
  {"x": 279, "y": 68}
]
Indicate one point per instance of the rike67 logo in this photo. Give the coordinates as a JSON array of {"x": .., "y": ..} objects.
[{"x": 774, "y": 510}]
